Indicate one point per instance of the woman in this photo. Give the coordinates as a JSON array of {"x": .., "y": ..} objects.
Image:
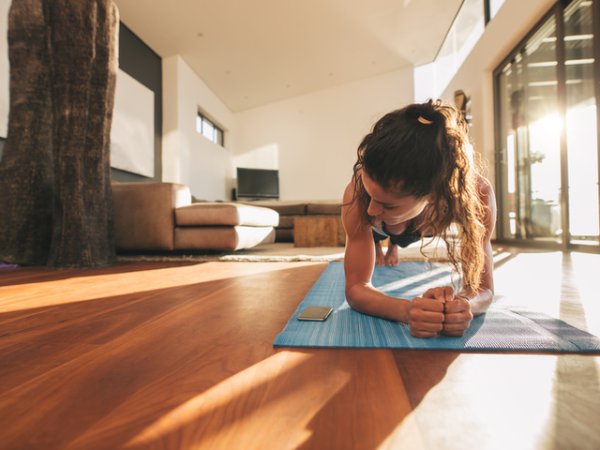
[{"x": 414, "y": 177}]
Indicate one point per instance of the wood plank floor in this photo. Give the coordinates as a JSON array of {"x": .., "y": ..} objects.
[{"x": 179, "y": 356}]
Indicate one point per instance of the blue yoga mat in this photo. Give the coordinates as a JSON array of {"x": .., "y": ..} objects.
[{"x": 497, "y": 330}]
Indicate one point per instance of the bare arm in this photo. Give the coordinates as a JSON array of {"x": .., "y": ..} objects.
[
  {"x": 459, "y": 311},
  {"x": 359, "y": 260},
  {"x": 425, "y": 316},
  {"x": 482, "y": 299}
]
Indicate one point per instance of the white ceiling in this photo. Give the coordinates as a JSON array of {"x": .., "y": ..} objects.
[{"x": 254, "y": 52}]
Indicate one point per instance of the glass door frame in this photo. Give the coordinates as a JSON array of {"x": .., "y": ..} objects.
[{"x": 565, "y": 244}]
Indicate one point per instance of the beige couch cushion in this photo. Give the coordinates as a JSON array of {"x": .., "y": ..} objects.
[
  {"x": 233, "y": 214},
  {"x": 222, "y": 238},
  {"x": 284, "y": 208}
]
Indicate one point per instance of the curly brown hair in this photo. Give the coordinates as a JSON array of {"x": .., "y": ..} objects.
[{"x": 423, "y": 150}]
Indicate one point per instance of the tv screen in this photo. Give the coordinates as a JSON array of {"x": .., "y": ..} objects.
[{"x": 257, "y": 183}]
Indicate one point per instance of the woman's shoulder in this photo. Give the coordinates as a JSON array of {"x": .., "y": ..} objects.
[
  {"x": 488, "y": 198},
  {"x": 348, "y": 195},
  {"x": 353, "y": 217},
  {"x": 484, "y": 185},
  {"x": 485, "y": 190}
]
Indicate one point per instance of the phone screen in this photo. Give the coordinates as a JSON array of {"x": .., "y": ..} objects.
[{"x": 319, "y": 313}]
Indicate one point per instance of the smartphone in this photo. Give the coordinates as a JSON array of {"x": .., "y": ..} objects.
[{"x": 318, "y": 313}]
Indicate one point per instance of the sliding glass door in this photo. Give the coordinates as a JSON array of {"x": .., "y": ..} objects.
[
  {"x": 580, "y": 124},
  {"x": 547, "y": 151}
]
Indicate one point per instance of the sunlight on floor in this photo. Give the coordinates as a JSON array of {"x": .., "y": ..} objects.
[
  {"x": 532, "y": 280},
  {"x": 493, "y": 389},
  {"x": 406, "y": 435},
  {"x": 92, "y": 284},
  {"x": 584, "y": 275},
  {"x": 560, "y": 285},
  {"x": 264, "y": 389},
  {"x": 544, "y": 386}
]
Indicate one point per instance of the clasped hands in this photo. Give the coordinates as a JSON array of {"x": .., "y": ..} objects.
[{"x": 439, "y": 310}]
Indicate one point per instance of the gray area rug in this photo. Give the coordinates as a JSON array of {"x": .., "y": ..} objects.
[
  {"x": 278, "y": 252},
  {"x": 283, "y": 252}
]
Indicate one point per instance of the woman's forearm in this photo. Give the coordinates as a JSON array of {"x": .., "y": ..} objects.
[
  {"x": 368, "y": 300},
  {"x": 481, "y": 301}
]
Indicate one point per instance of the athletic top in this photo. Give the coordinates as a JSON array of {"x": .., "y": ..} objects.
[{"x": 404, "y": 239}]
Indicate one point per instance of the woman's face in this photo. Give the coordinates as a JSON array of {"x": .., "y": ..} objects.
[{"x": 391, "y": 207}]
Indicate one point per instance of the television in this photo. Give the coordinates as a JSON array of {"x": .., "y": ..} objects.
[{"x": 257, "y": 183}]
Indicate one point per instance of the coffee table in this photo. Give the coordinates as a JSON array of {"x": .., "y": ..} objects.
[{"x": 319, "y": 231}]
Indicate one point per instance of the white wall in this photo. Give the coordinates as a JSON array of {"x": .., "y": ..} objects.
[
  {"x": 189, "y": 157},
  {"x": 312, "y": 139},
  {"x": 510, "y": 25}
]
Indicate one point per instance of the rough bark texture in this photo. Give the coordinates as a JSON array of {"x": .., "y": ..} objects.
[
  {"x": 26, "y": 172},
  {"x": 55, "y": 198}
]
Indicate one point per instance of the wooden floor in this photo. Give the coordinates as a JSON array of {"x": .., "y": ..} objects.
[{"x": 179, "y": 356}]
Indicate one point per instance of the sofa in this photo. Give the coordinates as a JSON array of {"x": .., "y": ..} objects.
[
  {"x": 290, "y": 210},
  {"x": 160, "y": 216}
]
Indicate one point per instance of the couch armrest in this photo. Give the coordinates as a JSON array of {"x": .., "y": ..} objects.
[{"x": 144, "y": 214}]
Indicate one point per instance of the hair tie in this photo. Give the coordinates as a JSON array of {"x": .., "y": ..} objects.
[{"x": 424, "y": 121}]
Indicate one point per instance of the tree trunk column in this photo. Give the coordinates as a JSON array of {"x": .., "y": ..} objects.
[
  {"x": 83, "y": 74},
  {"x": 55, "y": 194},
  {"x": 26, "y": 173}
]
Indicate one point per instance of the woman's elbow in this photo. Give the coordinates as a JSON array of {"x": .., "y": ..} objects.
[
  {"x": 485, "y": 298},
  {"x": 353, "y": 298}
]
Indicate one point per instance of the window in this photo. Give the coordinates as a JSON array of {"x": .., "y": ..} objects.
[
  {"x": 494, "y": 6},
  {"x": 209, "y": 129},
  {"x": 468, "y": 26},
  {"x": 466, "y": 29},
  {"x": 547, "y": 153}
]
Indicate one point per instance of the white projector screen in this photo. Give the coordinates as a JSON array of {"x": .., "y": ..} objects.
[{"x": 132, "y": 133}]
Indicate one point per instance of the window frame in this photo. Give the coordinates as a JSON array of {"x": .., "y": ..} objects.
[{"x": 218, "y": 133}]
